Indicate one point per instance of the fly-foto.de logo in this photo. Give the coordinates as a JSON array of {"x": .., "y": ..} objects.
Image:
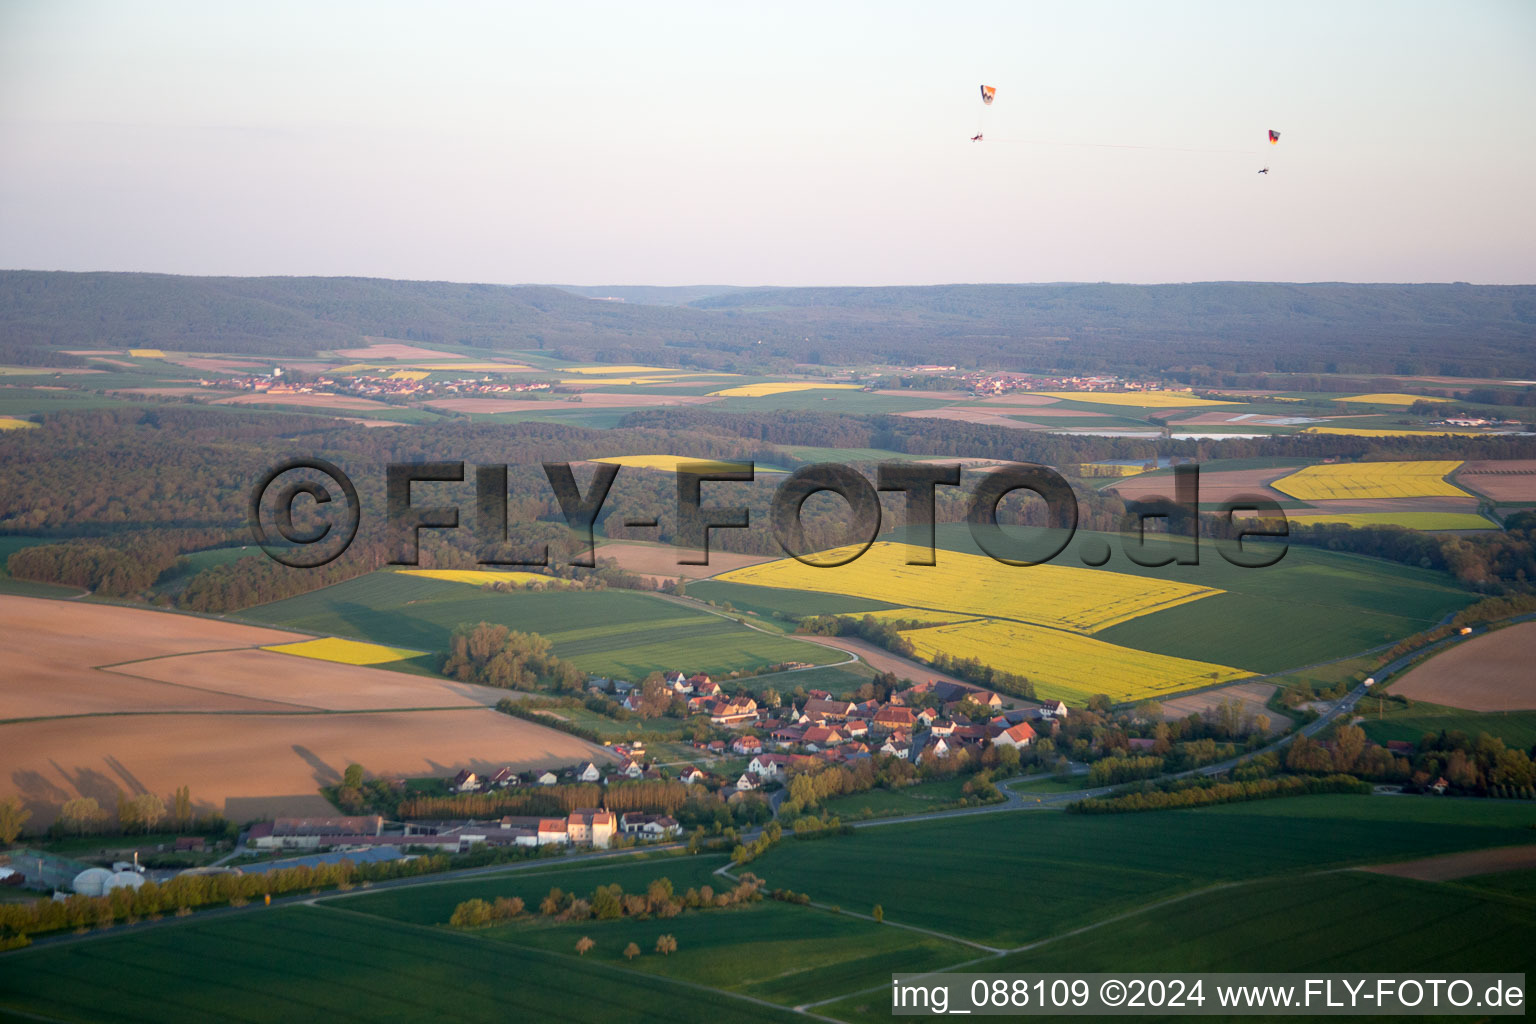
[{"x": 311, "y": 485}]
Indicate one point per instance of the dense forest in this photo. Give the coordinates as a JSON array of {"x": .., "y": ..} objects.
[{"x": 1198, "y": 331}]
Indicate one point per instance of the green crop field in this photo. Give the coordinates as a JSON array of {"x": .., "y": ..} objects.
[
  {"x": 609, "y": 632},
  {"x": 1308, "y": 924},
  {"x": 790, "y": 604},
  {"x": 306, "y": 963},
  {"x": 773, "y": 951},
  {"x": 1520, "y": 884},
  {"x": 1101, "y": 865},
  {"x": 1300, "y": 924},
  {"x": 768, "y": 950},
  {"x": 1515, "y": 728},
  {"x": 1313, "y": 605},
  {"x": 880, "y": 803},
  {"x": 857, "y": 403}
]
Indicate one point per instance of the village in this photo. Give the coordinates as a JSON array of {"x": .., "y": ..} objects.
[{"x": 924, "y": 724}]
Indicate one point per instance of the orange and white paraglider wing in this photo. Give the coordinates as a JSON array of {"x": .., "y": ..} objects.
[{"x": 988, "y": 92}]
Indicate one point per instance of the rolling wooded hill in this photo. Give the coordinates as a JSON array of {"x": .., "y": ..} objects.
[{"x": 1445, "y": 329}]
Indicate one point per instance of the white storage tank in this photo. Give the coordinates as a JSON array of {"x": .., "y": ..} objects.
[{"x": 91, "y": 881}]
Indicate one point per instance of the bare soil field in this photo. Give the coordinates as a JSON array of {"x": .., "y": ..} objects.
[
  {"x": 307, "y": 684},
  {"x": 660, "y": 561},
  {"x": 251, "y": 765},
  {"x": 1450, "y": 866},
  {"x": 1046, "y": 413},
  {"x": 80, "y": 633},
  {"x": 381, "y": 349},
  {"x": 1491, "y": 672},
  {"x": 309, "y": 401},
  {"x": 1501, "y": 479},
  {"x": 971, "y": 414},
  {"x": 589, "y": 400},
  {"x": 365, "y": 422},
  {"x": 1434, "y": 504},
  {"x": 1252, "y": 696},
  {"x": 133, "y": 698},
  {"x": 1217, "y": 486}
]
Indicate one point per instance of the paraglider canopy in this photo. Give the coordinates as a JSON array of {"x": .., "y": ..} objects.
[
  {"x": 987, "y": 92},
  {"x": 1274, "y": 137}
]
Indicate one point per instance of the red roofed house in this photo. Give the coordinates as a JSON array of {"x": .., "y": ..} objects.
[
  {"x": 822, "y": 707},
  {"x": 891, "y": 718},
  {"x": 1019, "y": 736},
  {"x": 818, "y": 736},
  {"x": 736, "y": 712}
]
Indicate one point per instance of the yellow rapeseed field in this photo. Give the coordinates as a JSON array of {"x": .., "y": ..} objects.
[
  {"x": 1380, "y": 398},
  {"x": 667, "y": 463},
  {"x": 1137, "y": 399},
  {"x": 146, "y": 353},
  {"x": 410, "y": 375},
  {"x": 1063, "y": 666},
  {"x": 348, "y": 652},
  {"x": 779, "y": 388},
  {"x": 478, "y": 577},
  {"x": 1066, "y": 597},
  {"x": 1358, "y": 480},
  {"x": 1365, "y": 432},
  {"x": 12, "y": 423}
]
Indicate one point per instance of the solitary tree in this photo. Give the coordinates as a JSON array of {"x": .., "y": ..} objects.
[
  {"x": 631, "y": 951},
  {"x": 183, "y": 804},
  {"x": 12, "y": 817},
  {"x": 583, "y": 944},
  {"x": 666, "y": 945},
  {"x": 879, "y": 912}
]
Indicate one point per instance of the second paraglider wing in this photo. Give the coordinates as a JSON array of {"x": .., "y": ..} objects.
[
  {"x": 1274, "y": 137},
  {"x": 987, "y": 92}
]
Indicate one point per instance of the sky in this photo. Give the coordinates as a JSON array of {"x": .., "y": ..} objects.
[{"x": 772, "y": 144}]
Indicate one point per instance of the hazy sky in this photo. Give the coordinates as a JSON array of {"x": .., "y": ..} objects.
[{"x": 779, "y": 143}]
